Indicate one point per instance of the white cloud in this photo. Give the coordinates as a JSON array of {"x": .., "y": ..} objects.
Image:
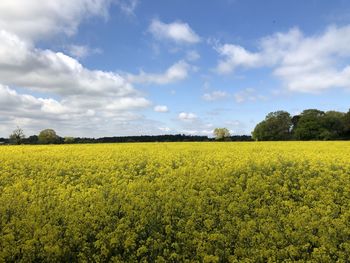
[
  {"x": 187, "y": 116},
  {"x": 23, "y": 105},
  {"x": 78, "y": 98},
  {"x": 128, "y": 6},
  {"x": 178, "y": 32},
  {"x": 127, "y": 103},
  {"x": 72, "y": 97},
  {"x": 215, "y": 95},
  {"x": 304, "y": 64},
  {"x": 82, "y": 51},
  {"x": 239, "y": 98},
  {"x": 248, "y": 94},
  {"x": 235, "y": 56},
  {"x": 238, "y": 127},
  {"x": 190, "y": 123},
  {"x": 86, "y": 115},
  {"x": 192, "y": 55},
  {"x": 161, "y": 108},
  {"x": 198, "y": 132},
  {"x": 47, "y": 71},
  {"x": 203, "y": 127},
  {"x": 271, "y": 51},
  {"x": 36, "y": 19},
  {"x": 164, "y": 129},
  {"x": 78, "y": 51},
  {"x": 206, "y": 85},
  {"x": 178, "y": 71}
]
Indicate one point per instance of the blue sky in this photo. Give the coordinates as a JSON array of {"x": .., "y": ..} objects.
[{"x": 130, "y": 67}]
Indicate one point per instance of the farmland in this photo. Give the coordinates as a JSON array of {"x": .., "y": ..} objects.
[{"x": 176, "y": 202}]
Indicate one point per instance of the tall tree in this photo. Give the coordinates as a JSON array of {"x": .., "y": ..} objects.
[
  {"x": 17, "y": 136},
  {"x": 310, "y": 125},
  {"x": 333, "y": 124},
  {"x": 346, "y": 123},
  {"x": 276, "y": 127},
  {"x": 33, "y": 139},
  {"x": 48, "y": 136},
  {"x": 221, "y": 133}
]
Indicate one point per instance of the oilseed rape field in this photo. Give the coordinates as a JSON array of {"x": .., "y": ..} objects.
[{"x": 176, "y": 202}]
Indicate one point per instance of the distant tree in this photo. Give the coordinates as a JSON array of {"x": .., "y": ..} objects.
[
  {"x": 68, "y": 140},
  {"x": 295, "y": 120},
  {"x": 221, "y": 133},
  {"x": 261, "y": 132},
  {"x": 276, "y": 127},
  {"x": 33, "y": 139},
  {"x": 17, "y": 136},
  {"x": 346, "y": 123},
  {"x": 48, "y": 136},
  {"x": 333, "y": 125},
  {"x": 311, "y": 126}
]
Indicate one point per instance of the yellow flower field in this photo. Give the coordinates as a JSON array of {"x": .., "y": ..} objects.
[{"x": 176, "y": 202}]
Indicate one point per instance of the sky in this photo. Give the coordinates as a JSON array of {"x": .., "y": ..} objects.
[{"x": 95, "y": 68}]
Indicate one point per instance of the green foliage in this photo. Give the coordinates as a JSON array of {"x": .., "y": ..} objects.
[
  {"x": 48, "y": 136},
  {"x": 176, "y": 202},
  {"x": 346, "y": 121},
  {"x": 276, "y": 127},
  {"x": 33, "y": 139},
  {"x": 311, "y": 124},
  {"x": 17, "y": 136},
  {"x": 221, "y": 133},
  {"x": 68, "y": 140}
]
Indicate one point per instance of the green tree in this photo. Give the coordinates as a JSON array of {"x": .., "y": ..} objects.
[
  {"x": 221, "y": 133},
  {"x": 276, "y": 127},
  {"x": 261, "y": 132},
  {"x": 295, "y": 120},
  {"x": 311, "y": 126},
  {"x": 68, "y": 140},
  {"x": 17, "y": 136},
  {"x": 33, "y": 139},
  {"x": 346, "y": 123},
  {"x": 48, "y": 136},
  {"x": 333, "y": 123}
]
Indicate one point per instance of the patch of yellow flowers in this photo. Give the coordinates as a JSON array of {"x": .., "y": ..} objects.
[{"x": 176, "y": 202}]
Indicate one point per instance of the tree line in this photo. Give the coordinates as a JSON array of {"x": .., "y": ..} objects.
[
  {"x": 311, "y": 124},
  {"x": 49, "y": 136}
]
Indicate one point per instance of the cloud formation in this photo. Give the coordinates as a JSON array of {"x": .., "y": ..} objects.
[
  {"x": 177, "y": 72},
  {"x": 37, "y": 19},
  {"x": 304, "y": 64},
  {"x": 192, "y": 55},
  {"x": 215, "y": 95},
  {"x": 161, "y": 108},
  {"x": 187, "y": 116},
  {"x": 127, "y": 6},
  {"x": 71, "y": 95},
  {"x": 178, "y": 32},
  {"x": 50, "y": 72},
  {"x": 82, "y": 51},
  {"x": 248, "y": 94}
]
